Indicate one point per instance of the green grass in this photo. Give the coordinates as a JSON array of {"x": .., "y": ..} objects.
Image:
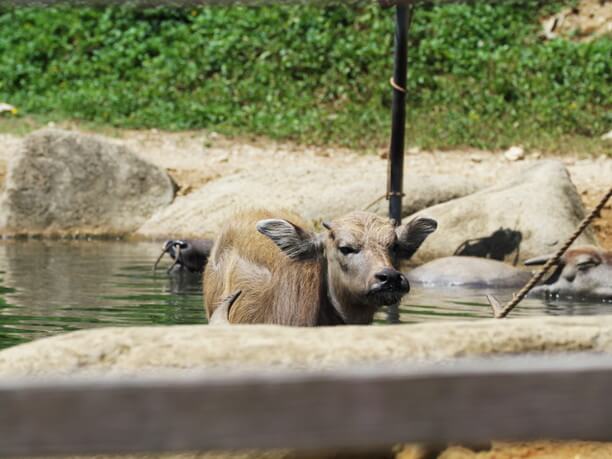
[{"x": 479, "y": 75}]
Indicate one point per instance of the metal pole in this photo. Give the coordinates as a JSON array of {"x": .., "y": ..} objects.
[
  {"x": 395, "y": 179},
  {"x": 398, "y": 124}
]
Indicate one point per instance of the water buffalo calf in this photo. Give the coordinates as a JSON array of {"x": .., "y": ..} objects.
[{"x": 272, "y": 268}]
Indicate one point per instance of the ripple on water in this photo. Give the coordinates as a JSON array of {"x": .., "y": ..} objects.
[{"x": 49, "y": 287}]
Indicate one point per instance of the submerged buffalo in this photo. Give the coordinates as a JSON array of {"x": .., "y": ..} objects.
[
  {"x": 471, "y": 272},
  {"x": 583, "y": 272},
  {"x": 266, "y": 269}
]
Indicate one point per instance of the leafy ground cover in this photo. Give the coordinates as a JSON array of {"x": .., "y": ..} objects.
[{"x": 479, "y": 74}]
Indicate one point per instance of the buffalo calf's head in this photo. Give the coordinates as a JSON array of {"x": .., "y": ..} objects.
[{"x": 361, "y": 252}]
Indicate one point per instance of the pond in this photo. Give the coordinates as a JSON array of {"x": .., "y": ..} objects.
[{"x": 50, "y": 287}]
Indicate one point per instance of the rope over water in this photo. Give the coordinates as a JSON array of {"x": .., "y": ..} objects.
[{"x": 500, "y": 311}]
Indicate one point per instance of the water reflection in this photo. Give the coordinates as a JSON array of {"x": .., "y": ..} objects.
[
  {"x": 428, "y": 304},
  {"x": 47, "y": 287},
  {"x": 55, "y": 286}
]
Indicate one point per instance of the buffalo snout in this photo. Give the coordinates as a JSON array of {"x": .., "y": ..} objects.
[{"x": 391, "y": 283}]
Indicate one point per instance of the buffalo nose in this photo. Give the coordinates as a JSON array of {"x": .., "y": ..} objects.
[{"x": 392, "y": 278}]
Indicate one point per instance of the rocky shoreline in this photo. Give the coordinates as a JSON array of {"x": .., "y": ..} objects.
[{"x": 158, "y": 185}]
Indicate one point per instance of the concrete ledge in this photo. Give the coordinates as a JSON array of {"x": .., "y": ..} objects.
[{"x": 188, "y": 348}]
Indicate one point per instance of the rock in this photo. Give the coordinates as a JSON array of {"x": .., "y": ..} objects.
[
  {"x": 543, "y": 449},
  {"x": 514, "y": 154},
  {"x": 534, "y": 212},
  {"x": 182, "y": 349},
  {"x": 584, "y": 21},
  {"x": 318, "y": 192},
  {"x": 63, "y": 182},
  {"x": 607, "y": 136},
  {"x": 7, "y": 108}
]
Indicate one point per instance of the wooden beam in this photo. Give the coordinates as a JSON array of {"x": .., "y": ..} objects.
[{"x": 468, "y": 401}]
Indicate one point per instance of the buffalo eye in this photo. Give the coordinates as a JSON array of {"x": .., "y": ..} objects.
[
  {"x": 347, "y": 249},
  {"x": 585, "y": 265}
]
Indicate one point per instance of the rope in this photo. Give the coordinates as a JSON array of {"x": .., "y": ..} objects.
[{"x": 500, "y": 312}]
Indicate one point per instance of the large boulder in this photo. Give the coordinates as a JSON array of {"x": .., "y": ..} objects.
[
  {"x": 529, "y": 214},
  {"x": 63, "y": 182},
  {"x": 316, "y": 192}
]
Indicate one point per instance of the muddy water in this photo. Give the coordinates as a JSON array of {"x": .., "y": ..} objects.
[{"x": 50, "y": 287}]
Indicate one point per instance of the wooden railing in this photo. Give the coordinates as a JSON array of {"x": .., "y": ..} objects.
[{"x": 466, "y": 401}]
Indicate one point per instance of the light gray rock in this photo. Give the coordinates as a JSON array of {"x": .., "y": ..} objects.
[
  {"x": 316, "y": 193},
  {"x": 540, "y": 206},
  {"x": 67, "y": 182},
  {"x": 190, "y": 348}
]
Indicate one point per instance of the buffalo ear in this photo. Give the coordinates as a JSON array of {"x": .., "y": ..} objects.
[
  {"x": 295, "y": 242},
  {"x": 411, "y": 235}
]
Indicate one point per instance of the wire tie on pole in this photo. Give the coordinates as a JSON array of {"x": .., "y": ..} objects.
[
  {"x": 396, "y": 86},
  {"x": 395, "y": 193}
]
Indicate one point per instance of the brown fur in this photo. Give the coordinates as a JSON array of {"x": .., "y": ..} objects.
[
  {"x": 601, "y": 255},
  {"x": 320, "y": 285},
  {"x": 243, "y": 259}
]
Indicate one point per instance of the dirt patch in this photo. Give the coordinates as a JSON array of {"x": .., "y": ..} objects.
[{"x": 588, "y": 20}]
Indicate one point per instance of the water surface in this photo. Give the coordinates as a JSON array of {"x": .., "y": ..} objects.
[{"x": 49, "y": 287}]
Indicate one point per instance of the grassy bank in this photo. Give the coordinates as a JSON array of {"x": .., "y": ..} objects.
[{"x": 479, "y": 75}]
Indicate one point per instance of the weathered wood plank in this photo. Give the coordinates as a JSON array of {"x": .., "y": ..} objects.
[{"x": 469, "y": 401}]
